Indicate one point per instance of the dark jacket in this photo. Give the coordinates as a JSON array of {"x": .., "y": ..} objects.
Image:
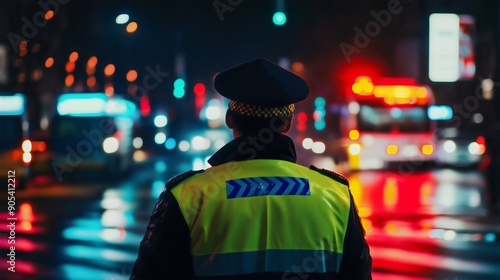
[{"x": 164, "y": 252}]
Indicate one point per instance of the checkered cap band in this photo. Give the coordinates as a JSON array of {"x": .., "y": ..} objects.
[{"x": 259, "y": 111}]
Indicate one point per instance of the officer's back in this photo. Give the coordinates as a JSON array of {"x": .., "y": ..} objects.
[{"x": 256, "y": 214}]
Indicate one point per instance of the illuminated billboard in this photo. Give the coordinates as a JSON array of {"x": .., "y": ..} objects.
[{"x": 451, "y": 51}]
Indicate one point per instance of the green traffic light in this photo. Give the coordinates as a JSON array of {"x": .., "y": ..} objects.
[
  {"x": 179, "y": 92},
  {"x": 179, "y": 88},
  {"x": 319, "y": 102},
  {"x": 179, "y": 83},
  {"x": 279, "y": 18},
  {"x": 320, "y": 125}
]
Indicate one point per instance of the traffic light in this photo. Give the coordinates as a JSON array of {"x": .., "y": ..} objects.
[
  {"x": 301, "y": 121},
  {"x": 279, "y": 18},
  {"x": 179, "y": 88},
  {"x": 145, "y": 106},
  {"x": 199, "y": 89},
  {"x": 199, "y": 97},
  {"x": 319, "y": 113}
]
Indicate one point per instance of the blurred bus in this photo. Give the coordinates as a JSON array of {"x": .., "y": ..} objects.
[
  {"x": 92, "y": 131},
  {"x": 15, "y": 147},
  {"x": 385, "y": 121}
]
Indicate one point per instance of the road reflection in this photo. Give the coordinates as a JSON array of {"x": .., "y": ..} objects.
[
  {"x": 415, "y": 222},
  {"x": 443, "y": 192},
  {"x": 105, "y": 242},
  {"x": 20, "y": 240},
  {"x": 420, "y": 225}
]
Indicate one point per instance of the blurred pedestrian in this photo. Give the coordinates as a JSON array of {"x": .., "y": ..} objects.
[{"x": 256, "y": 214}]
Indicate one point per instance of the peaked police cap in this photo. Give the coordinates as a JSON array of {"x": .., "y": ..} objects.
[{"x": 261, "y": 83}]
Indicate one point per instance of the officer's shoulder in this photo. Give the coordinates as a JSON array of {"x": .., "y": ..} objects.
[
  {"x": 331, "y": 174},
  {"x": 179, "y": 178}
]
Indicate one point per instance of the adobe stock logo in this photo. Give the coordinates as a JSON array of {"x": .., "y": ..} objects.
[
  {"x": 225, "y": 6},
  {"x": 150, "y": 82},
  {"x": 372, "y": 29}
]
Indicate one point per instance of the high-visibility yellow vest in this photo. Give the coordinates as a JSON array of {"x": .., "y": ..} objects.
[{"x": 264, "y": 216}]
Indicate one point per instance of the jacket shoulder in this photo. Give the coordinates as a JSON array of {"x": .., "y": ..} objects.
[
  {"x": 331, "y": 174},
  {"x": 177, "y": 179}
]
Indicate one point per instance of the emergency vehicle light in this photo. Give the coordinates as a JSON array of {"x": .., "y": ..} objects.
[
  {"x": 392, "y": 149},
  {"x": 391, "y": 90},
  {"x": 82, "y": 107},
  {"x": 354, "y": 134},
  {"x": 362, "y": 86},
  {"x": 354, "y": 149},
  {"x": 401, "y": 94},
  {"x": 94, "y": 104},
  {"x": 427, "y": 149},
  {"x": 12, "y": 104}
]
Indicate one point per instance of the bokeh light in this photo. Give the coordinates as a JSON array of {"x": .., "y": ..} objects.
[
  {"x": 49, "y": 62},
  {"x": 122, "y": 19},
  {"x": 131, "y": 75},
  {"x": 69, "y": 80},
  {"x": 92, "y": 62},
  {"x": 109, "y": 70},
  {"x": 49, "y": 14},
  {"x": 73, "y": 57},
  {"x": 132, "y": 27}
]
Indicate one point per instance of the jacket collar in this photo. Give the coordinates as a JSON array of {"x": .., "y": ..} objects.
[{"x": 251, "y": 146}]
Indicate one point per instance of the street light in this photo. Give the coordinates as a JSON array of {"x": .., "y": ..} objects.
[
  {"x": 122, "y": 19},
  {"x": 279, "y": 17}
]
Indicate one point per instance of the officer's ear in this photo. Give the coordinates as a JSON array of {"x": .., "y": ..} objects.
[
  {"x": 229, "y": 120},
  {"x": 288, "y": 124}
]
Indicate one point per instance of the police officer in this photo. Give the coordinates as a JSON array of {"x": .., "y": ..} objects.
[{"x": 256, "y": 214}]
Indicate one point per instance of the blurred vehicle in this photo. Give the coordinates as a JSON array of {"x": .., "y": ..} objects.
[
  {"x": 41, "y": 154},
  {"x": 385, "y": 121},
  {"x": 92, "y": 131},
  {"x": 15, "y": 147},
  {"x": 459, "y": 149}
]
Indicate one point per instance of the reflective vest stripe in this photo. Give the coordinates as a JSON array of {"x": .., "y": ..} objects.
[
  {"x": 308, "y": 261},
  {"x": 258, "y": 186}
]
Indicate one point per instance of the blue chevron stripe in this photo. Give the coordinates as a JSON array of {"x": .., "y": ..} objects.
[
  {"x": 261, "y": 186},
  {"x": 232, "y": 189},
  {"x": 303, "y": 190},
  {"x": 295, "y": 185},
  {"x": 276, "y": 186},
  {"x": 247, "y": 189},
  {"x": 282, "y": 188}
]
